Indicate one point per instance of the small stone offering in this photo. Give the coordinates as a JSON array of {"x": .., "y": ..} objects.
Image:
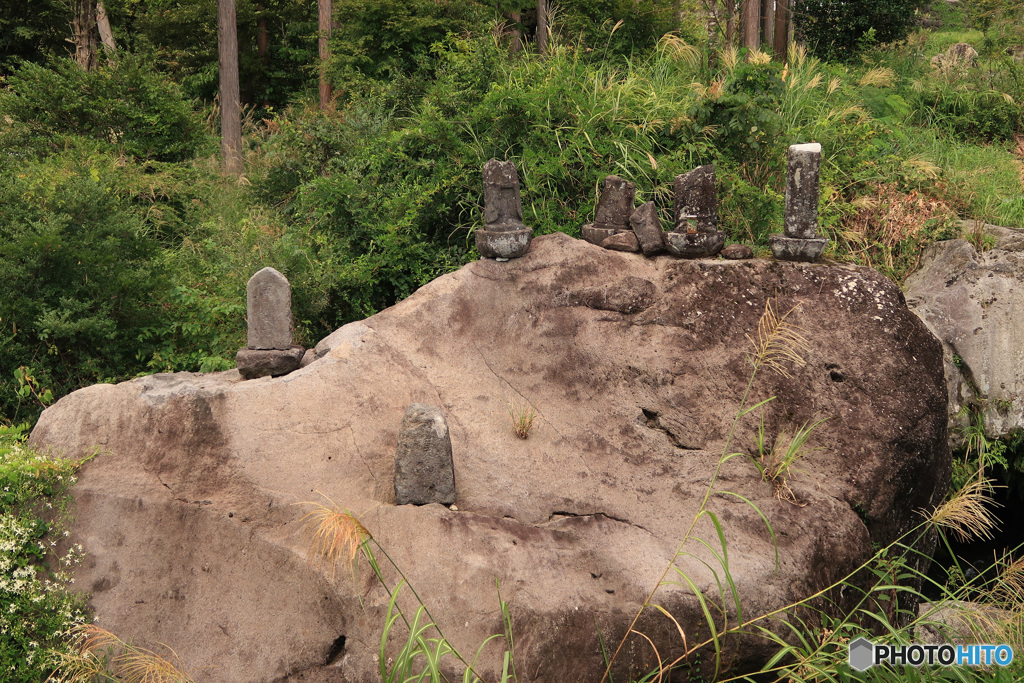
[
  {"x": 801, "y": 241},
  {"x": 621, "y": 241},
  {"x": 696, "y": 234},
  {"x": 737, "y": 252},
  {"x": 504, "y": 235},
  {"x": 424, "y": 472}
]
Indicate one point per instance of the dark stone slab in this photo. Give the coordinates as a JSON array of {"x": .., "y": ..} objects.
[
  {"x": 253, "y": 363},
  {"x": 647, "y": 228},
  {"x": 615, "y": 205},
  {"x": 424, "y": 472},
  {"x": 696, "y": 200},
  {"x": 622, "y": 241}
]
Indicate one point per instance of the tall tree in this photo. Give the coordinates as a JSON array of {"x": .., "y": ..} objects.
[
  {"x": 751, "y": 22},
  {"x": 782, "y": 19},
  {"x": 103, "y": 24},
  {"x": 326, "y": 14},
  {"x": 542, "y": 27},
  {"x": 84, "y": 26},
  {"x": 230, "y": 115}
]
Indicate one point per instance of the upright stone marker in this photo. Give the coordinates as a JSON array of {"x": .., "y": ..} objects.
[
  {"x": 269, "y": 310},
  {"x": 696, "y": 233},
  {"x": 269, "y": 313},
  {"x": 504, "y": 235},
  {"x": 801, "y": 241},
  {"x": 614, "y": 207},
  {"x": 424, "y": 472}
]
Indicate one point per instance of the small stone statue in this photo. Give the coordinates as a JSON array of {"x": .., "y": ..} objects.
[
  {"x": 696, "y": 233},
  {"x": 503, "y": 236},
  {"x": 611, "y": 217},
  {"x": 801, "y": 241},
  {"x": 269, "y": 316}
]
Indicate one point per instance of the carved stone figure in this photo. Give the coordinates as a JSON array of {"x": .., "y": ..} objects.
[
  {"x": 504, "y": 235},
  {"x": 696, "y": 233}
]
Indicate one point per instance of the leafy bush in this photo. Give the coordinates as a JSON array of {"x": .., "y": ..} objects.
[
  {"x": 124, "y": 103},
  {"x": 840, "y": 30},
  {"x": 81, "y": 279},
  {"x": 38, "y": 611}
]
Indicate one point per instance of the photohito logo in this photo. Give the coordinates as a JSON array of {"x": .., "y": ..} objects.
[{"x": 864, "y": 654}]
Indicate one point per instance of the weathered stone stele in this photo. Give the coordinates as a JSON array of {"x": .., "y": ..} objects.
[
  {"x": 647, "y": 228},
  {"x": 189, "y": 514},
  {"x": 504, "y": 235},
  {"x": 695, "y": 234},
  {"x": 974, "y": 304},
  {"x": 269, "y": 316},
  {"x": 614, "y": 207},
  {"x": 423, "y": 462},
  {"x": 801, "y": 241},
  {"x": 269, "y": 310}
]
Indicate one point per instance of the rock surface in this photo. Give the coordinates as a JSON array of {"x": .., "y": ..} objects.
[
  {"x": 636, "y": 367},
  {"x": 974, "y": 303}
]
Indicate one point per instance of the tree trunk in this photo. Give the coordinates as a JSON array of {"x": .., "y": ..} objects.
[
  {"x": 542, "y": 27},
  {"x": 751, "y": 24},
  {"x": 84, "y": 26},
  {"x": 326, "y": 13},
  {"x": 262, "y": 36},
  {"x": 767, "y": 21},
  {"x": 103, "y": 24},
  {"x": 781, "y": 29},
  {"x": 230, "y": 116}
]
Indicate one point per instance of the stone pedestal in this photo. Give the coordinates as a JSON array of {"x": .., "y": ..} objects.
[
  {"x": 695, "y": 244},
  {"x": 504, "y": 235},
  {"x": 801, "y": 241},
  {"x": 253, "y": 363}
]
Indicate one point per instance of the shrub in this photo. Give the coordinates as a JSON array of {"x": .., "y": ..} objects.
[
  {"x": 38, "y": 611},
  {"x": 839, "y": 31},
  {"x": 125, "y": 104}
]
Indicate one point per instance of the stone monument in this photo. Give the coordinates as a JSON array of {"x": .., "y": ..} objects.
[
  {"x": 647, "y": 228},
  {"x": 503, "y": 236},
  {"x": 611, "y": 217},
  {"x": 424, "y": 472},
  {"x": 269, "y": 315},
  {"x": 801, "y": 241},
  {"x": 696, "y": 233}
]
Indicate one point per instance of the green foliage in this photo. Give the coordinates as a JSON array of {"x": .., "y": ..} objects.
[
  {"x": 123, "y": 103},
  {"x": 613, "y": 28},
  {"x": 838, "y": 31},
  {"x": 37, "y": 609},
  {"x": 34, "y": 35},
  {"x": 80, "y": 275}
]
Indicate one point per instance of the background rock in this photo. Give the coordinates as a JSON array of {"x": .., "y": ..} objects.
[
  {"x": 974, "y": 303},
  {"x": 636, "y": 367}
]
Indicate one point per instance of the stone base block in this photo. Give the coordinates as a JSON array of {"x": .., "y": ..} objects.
[
  {"x": 622, "y": 241},
  {"x": 597, "y": 235},
  {"x": 503, "y": 244},
  {"x": 695, "y": 244},
  {"x": 253, "y": 363},
  {"x": 797, "y": 249}
]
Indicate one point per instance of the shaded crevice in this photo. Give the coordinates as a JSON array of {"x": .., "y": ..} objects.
[
  {"x": 651, "y": 421},
  {"x": 554, "y": 516},
  {"x": 337, "y": 651}
]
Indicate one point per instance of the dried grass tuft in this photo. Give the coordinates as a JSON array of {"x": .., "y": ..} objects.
[
  {"x": 778, "y": 342},
  {"x": 335, "y": 534}
]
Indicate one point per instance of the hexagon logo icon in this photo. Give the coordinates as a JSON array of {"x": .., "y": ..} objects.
[{"x": 861, "y": 654}]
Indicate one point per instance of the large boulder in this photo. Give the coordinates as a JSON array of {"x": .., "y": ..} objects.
[
  {"x": 636, "y": 368},
  {"x": 974, "y": 303}
]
